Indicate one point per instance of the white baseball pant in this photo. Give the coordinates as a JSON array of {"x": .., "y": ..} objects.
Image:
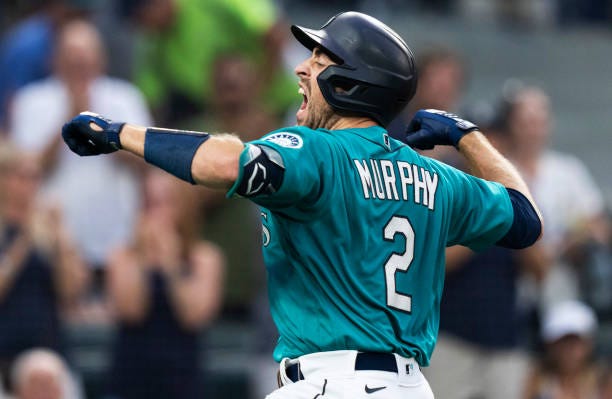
[{"x": 333, "y": 375}]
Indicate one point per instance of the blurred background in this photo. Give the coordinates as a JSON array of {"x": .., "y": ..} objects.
[{"x": 118, "y": 281}]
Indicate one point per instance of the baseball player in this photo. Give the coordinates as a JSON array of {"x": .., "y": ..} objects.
[{"x": 355, "y": 223}]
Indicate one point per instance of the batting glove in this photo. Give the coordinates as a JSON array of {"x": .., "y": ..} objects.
[
  {"x": 92, "y": 134},
  {"x": 433, "y": 127}
]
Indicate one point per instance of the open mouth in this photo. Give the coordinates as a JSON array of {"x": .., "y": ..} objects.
[
  {"x": 305, "y": 98},
  {"x": 302, "y": 112}
]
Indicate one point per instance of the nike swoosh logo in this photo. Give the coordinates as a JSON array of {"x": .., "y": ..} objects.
[{"x": 372, "y": 390}]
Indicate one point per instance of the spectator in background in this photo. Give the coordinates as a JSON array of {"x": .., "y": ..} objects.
[
  {"x": 165, "y": 287},
  {"x": 570, "y": 201},
  {"x": 568, "y": 370},
  {"x": 78, "y": 83},
  {"x": 236, "y": 108},
  {"x": 441, "y": 80},
  {"x": 181, "y": 39},
  {"x": 41, "y": 374},
  {"x": 26, "y": 50},
  {"x": 481, "y": 323},
  {"x": 234, "y": 99},
  {"x": 41, "y": 275}
]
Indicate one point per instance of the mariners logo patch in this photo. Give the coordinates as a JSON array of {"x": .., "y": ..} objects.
[{"x": 286, "y": 139}]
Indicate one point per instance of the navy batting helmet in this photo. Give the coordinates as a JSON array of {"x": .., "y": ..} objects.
[{"x": 376, "y": 69}]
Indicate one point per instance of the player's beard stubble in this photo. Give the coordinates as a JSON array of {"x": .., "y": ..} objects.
[{"x": 320, "y": 113}]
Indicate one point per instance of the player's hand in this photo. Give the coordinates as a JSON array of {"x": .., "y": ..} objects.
[
  {"x": 92, "y": 134},
  {"x": 433, "y": 127}
]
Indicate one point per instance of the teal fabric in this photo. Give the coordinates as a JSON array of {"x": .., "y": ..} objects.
[{"x": 354, "y": 240}]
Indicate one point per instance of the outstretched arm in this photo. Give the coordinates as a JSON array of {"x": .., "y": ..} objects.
[{"x": 198, "y": 158}]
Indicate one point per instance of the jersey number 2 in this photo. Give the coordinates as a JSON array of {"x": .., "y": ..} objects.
[{"x": 398, "y": 261}]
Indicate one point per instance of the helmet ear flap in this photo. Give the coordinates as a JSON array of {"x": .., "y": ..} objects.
[
  {"x": 349, "y": 95},
  {"x": 341, "y": 84},
  {"x": 337, "y": 89}
]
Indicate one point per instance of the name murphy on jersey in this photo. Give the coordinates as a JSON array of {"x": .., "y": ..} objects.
[{"x": 396, "y": 180}]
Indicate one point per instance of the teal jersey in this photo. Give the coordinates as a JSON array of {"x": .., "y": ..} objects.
[{"x": 355, "y": 237}]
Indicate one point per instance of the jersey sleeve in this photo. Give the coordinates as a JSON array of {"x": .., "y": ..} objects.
[
  {"x": 295, "y": 154},
  {"x": 481, "y": 212}
]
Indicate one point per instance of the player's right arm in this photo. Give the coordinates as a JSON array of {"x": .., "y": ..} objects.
[{"x": 486, "y": 162}]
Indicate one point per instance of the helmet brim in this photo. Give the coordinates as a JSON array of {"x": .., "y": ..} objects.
[{"x": 311, "y": 38}]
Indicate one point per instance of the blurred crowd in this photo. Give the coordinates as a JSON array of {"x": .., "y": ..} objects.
[{"x": 110, "y": 244}]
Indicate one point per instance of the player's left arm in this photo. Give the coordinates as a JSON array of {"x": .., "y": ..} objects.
[
  {"x": 434, "y": 127},
  {"x": 198, "y": 158},
  {"x": 487, "y": 163},
  {"x": 213, "y": 160}
]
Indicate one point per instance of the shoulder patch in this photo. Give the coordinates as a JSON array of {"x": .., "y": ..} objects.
[{"x": 286, "y": 139}]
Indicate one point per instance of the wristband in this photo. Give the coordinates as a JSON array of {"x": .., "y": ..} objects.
[
  {"x": 173, "y": 150},
  {"x": 112, "y": 132}
]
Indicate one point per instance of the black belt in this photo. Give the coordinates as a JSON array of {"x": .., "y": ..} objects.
[{"x": 363, "y": 361}]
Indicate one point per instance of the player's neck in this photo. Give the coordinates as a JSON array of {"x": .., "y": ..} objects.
[{"x": 353, "y": 122}]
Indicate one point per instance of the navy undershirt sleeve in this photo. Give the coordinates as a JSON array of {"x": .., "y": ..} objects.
[
  {"x": 526, "y": 227},
  {"x": 173, "y": 150}
]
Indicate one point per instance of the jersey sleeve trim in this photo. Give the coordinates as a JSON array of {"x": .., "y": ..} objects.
[{"x": 526, "y": 226}]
